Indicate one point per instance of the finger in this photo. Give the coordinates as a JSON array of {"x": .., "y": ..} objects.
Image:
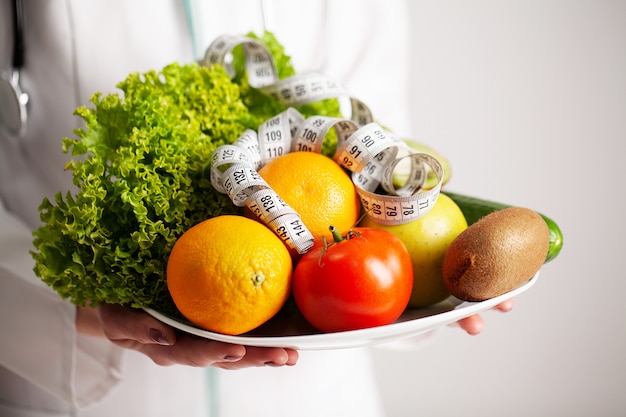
[
  {"x": 137, "y": 330},
  {"x": 124, "y": 323},
  {"x": 473, "y": 325},
  {"x": 294, "y": 356},
  {"x": 263, "y": 356},
  {"x": 506, "y": 306},
  {"x": 192, "y": 351}
]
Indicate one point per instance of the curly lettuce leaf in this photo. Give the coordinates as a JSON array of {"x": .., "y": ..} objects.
[{"x": 145, "y": 181}]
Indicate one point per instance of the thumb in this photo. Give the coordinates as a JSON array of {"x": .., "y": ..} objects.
[{"x": 122, "y": 323}]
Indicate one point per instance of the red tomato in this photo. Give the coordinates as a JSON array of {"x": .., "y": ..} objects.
[{"x": 362, "y": 281}]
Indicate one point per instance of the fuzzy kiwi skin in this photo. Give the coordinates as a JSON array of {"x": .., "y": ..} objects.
[{"x": 496, "y": 254}]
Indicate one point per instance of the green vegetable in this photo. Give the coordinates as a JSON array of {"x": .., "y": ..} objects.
[
  {"x": 259, "y": 104},
  {"x": 474, "y": 208},
  {"x": 141, "y": 167}
]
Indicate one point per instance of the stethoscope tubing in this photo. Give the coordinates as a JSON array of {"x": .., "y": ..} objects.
[
  {"x": 13, "y": 100},
  {"x": 18, "y": 34}
]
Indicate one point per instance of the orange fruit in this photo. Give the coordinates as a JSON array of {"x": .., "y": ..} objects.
[
  {"x": 317, "y": 188},
  {"x": 229, "y": 274}
]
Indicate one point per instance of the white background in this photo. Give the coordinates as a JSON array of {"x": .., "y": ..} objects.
[{"x": 527, "y": 99}]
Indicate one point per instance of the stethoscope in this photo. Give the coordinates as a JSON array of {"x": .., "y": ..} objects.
[{"x": 13, "y": 100}]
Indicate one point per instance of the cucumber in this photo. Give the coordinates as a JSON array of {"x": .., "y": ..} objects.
[{"x": 475, "y": 208}]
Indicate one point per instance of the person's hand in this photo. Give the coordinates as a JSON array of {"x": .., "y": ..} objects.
[
  {"x": 474, "y": 324},
  {"x": 137, "y": 330}
]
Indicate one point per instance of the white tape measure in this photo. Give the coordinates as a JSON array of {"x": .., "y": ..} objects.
[
  {"x": 293, "y": 91},
  {"x": 363, "y": 147}
]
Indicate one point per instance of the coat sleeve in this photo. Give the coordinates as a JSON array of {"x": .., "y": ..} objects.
[
  {"x": 69, "y": 54},
  {"x": 40, "y": 343}
]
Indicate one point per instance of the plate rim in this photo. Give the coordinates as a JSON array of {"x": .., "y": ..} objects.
[{"x": 353, "y": 338}]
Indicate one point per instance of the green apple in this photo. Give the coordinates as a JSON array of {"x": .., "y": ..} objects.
[{"x": 427, "y": 240}]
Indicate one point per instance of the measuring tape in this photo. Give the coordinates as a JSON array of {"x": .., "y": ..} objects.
[{"x": 364, "y": 148}]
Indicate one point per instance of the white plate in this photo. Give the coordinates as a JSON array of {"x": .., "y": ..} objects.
[{"x": 297, "y": 334}]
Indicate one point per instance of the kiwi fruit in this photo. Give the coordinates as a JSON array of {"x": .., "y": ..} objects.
[{"x": 496, "y": 254}]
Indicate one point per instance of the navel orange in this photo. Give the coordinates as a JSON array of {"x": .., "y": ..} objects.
[
  {"x": 229, "y": 274},
  {"x": 317, "y": 188}
]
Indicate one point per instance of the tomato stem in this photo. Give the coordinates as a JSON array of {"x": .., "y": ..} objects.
[
  {"x": 336, "y": 234},
  {"x": 336, "y": 239}
]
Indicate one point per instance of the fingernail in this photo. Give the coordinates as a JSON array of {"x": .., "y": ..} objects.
[
  {"x": 229, "y": 358},
  {"x": 157, "y": 336}
]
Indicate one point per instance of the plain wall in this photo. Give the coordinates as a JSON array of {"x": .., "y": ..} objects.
[{"x": 527, "y": 100}]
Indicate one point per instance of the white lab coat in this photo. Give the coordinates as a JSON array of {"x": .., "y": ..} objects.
[{"x": 75, "y": 48}]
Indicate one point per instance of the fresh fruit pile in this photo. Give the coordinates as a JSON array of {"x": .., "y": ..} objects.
[
  {"x": 149, "y": 228},
  {"x": 361, "y": 275}
]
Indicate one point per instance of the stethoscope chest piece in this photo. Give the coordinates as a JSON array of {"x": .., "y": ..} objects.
[
  {"x": 13, "y": 100},
  {"x": 13, "y": 104}
]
